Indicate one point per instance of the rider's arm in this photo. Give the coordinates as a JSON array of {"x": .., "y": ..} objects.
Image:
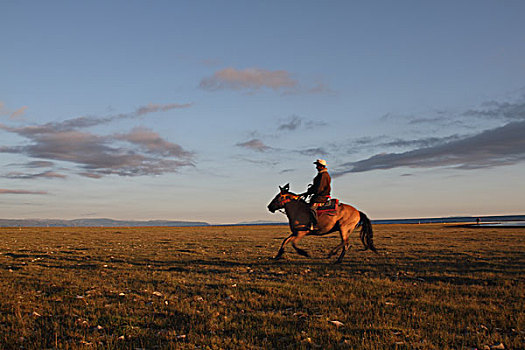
[{"x": 314, "y": 189}]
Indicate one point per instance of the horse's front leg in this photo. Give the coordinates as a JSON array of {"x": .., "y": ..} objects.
[
  {"x": 300, "y": 235},
  {"x": 285, "y": 242}
]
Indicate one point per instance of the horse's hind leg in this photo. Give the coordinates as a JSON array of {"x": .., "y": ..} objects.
[
  {"x": 339, "y": 246},
  {"x": 333, "y": 251},
  {"x": 345, "y": 235},
  {"x": 285, "y": 242},
  {"x": 346, "y": 246}
]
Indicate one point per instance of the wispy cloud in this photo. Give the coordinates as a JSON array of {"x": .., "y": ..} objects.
[
  {"x": 292, "y": 124},
  {"x": 39, "y": 164},
  {"x": 7, "y": 191},
  {"x": 295, "y": 122},
  {"x": 487, "y": 112},
  {"x": 313, "y": 152},
  {"x": 249, "y": 79},
  {"x": 16, "y": 114},
  {"x": 140, "y": 152},
  {"x": 89, "y": 121},
  {"x": 495, "y": 147},
  {"x": 507, "y": 111},
  {"x": 255, "y": 145},
  {"x": 384, "y": 141},
  {"x": 152, "y": 108},
  {"x": 45, "y": 174}
]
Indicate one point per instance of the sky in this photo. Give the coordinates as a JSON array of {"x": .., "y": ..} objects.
[{"x": 199, "y": 110}]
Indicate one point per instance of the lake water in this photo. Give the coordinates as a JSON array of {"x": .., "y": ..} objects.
[{"x": 510, "y": 220}]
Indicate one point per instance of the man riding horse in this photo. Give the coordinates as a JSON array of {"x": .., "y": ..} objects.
[
  {"x": 319, "y": 190},
  {"x": 343, "y": 218}
]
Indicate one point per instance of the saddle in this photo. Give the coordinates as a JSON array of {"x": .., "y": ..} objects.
[{"x": 330, "y": 207}]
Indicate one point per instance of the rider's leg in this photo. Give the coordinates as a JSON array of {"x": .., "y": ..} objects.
[{"x": 313, "y": 213}]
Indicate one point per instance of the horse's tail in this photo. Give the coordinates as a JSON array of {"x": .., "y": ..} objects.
[{"x": 367, "y": 235}]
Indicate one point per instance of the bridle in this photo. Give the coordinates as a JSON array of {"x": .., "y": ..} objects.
[{"x": 285, "y": 198}]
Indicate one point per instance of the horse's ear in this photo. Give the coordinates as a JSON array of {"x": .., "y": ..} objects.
[{"x": 285, "y": 188}]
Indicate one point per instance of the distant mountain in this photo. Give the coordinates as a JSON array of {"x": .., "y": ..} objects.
[{"x": 95, "y": 223}]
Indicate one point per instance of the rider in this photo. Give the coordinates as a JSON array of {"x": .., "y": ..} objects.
[{"x": 320, "y": 189}]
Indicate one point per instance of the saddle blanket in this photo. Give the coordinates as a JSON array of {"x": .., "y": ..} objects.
[{"x": 330, "y": 206}]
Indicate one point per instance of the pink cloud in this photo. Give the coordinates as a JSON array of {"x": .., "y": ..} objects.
[
  {"x": 250, "y": 78},
  {"x": 151, "y": 108},
  {"x": 18, "y": 113}
]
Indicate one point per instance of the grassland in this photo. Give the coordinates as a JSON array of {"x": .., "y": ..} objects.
[{"x": 432, "y": 287}]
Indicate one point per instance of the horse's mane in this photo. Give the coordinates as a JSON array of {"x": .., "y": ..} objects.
[{"x": 299, "y": 198}]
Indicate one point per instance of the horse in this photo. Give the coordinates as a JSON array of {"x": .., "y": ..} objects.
[{"x": 345, "y": 219}]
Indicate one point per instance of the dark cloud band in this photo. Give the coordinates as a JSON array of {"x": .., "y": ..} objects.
[{"x": 500, "y": 146}]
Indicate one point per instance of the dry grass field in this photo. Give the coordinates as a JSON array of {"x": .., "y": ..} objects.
[{"x": 432, "y": 287}]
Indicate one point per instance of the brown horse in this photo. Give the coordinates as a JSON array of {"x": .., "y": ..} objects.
[{"x": 345, "y": 219}]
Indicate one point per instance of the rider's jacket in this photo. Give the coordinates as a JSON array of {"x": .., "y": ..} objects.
[{"x": 321, "y": 187}]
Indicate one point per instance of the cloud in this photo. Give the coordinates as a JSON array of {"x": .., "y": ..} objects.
[
  {"x": 495, "y": 147},
  {"x": 507, "y": 111},
  {"x": 249, "y": 79},
  {"x": 100, "y": 155},
  {"x": 18, "y": 113},
  {"x": 46, "y": 174},
  {"x": 150, "y": 142},
  {"x": 487, "y": 112},
  {"x": 292, "y": 124},
  {"x": 320, "y": 88},
  {"x": 39, "y": 164},
  {"x": 319, "y": 151},
  {"x": 140, "y": 152},
  {"x": 89, "y": 121},
  {"x": 378, "y": 142},
  {"x": 152, "y": 108},
  {"x": 295, "y": 123},
  {"x": 6, "y": 191},
  {"x": 254, "y": 144}
]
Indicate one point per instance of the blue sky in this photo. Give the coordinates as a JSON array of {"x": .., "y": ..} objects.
[{"x": 199, "y": 110}]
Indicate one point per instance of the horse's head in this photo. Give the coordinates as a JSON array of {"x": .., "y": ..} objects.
[{"x": 284, "y": 196}]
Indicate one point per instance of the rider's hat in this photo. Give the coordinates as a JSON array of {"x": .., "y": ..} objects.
[{"x": 320, "y": 162}]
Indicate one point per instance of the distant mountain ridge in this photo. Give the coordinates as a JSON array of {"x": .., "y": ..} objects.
[{"x": 102, "y": 222}]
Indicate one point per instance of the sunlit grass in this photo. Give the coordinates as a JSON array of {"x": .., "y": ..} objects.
[{"x": 432, "y": 287}]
